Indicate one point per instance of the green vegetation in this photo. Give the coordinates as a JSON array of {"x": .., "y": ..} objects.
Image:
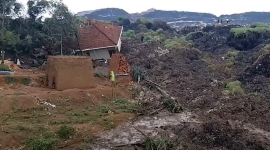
[
  {"x": 151, "y": 35},
  {"x": 172, "y": 105},
  {"x": 10, "y": 80},
  {"x": 267, "y": 47},
  {"x": 41, "y": 131},
  {"x": 176, "y": 43},
  {"x": 65, "y": 132},
  {"x": 145, "y": 21},
  {"x": 231, "y": 56},
  {"x": 125, "y": 106},
  {"x": 130, "y": 34},
  {"x": 26, "y": 81},
  {"x": 257, "y": 28},
  {"x": 260, "y": 24},
  {"x": 138, "y": 73},
  {"x": 4, "y": 67},
  {"x": 234, "y": 87},
  {"x": 24, "y": 34},
  {"x": 44, "y": 143}
]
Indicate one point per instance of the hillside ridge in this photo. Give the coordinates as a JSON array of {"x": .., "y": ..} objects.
[{"x": 177, "y": 18}]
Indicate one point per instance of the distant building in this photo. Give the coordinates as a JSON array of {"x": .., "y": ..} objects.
[{"x": 99, "y": 39}]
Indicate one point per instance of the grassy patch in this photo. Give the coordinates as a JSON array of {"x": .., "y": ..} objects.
[
  {"x": 107, "y": 123},
  {"x": 234, "y": 87},
  {"x": 41, "y": 143},
  {"x": 62, "y": 121},
  {"x": 65, "y": 132},
  {"x": 26, "y": 81},
  {"x": 4, "y": 67},
  {"x": 123, "y": 105},
  {"x": 258, "y": 28},
  {"x": 10, "y": 80}
]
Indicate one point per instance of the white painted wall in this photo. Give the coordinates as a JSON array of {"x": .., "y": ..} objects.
[
  {"x": 119, "y": 41},
  {"x": 119, "y": 45},
  {"x": 100, "y": 54}
]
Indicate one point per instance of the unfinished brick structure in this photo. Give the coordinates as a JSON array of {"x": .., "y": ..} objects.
[
  {"x": 68, "y": 72},
  {"x": 119, "y": 65}
]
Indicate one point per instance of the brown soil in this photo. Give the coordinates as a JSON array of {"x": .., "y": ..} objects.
[{"x": 23, "y": 117}]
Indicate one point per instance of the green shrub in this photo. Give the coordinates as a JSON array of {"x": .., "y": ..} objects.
[
  {"x": 234, "y": 87},
  {"x": 176, "y": 43},
  {"x": 151, "y": 35},
  {"x": 4, "y": 67},
  {"x": 231, "y": 56},
  {"x": 172, "y": 105},
  {"x": 41, "y": 143},
  {"x": 129, "y": 34},
  {"x": 137, "y": 73},
  {"x": 65, "y": 132},
  {"x": 10, "y": 80},
  {"x": 26, "y": 81}
]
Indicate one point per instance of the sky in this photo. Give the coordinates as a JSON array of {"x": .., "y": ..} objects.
[{"x": 216, "y": 7}]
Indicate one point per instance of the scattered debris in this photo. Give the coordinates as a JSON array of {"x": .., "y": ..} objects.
[{"x": 39, "y": 101}]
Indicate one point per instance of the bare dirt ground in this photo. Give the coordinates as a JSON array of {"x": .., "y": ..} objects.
[{"x": 33, "y": 112}]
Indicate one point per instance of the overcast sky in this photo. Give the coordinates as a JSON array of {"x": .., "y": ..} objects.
[{"x": 216, "y": 7}]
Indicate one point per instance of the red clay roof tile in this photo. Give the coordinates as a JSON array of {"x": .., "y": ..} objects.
[{"x": 98, "y": 34}]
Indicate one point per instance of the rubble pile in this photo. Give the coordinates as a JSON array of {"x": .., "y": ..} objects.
[
  {"x": 256, "y": 75},
  {"x": 196, "y": 78},
  {"x": 214, "y": 40}
]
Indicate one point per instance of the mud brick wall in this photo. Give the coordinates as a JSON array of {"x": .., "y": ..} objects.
[{"x": 69, "y": 72}]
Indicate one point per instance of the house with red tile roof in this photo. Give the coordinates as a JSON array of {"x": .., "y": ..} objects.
[{"x": 99, "y": 39}]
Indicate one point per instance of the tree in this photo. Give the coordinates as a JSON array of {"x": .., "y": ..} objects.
[
  {"x": 35, "y": 34},
  {"x": 9, "y": 9}
]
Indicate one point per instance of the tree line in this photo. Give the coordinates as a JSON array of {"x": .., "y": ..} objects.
[{"x": 37, "y": 29}]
